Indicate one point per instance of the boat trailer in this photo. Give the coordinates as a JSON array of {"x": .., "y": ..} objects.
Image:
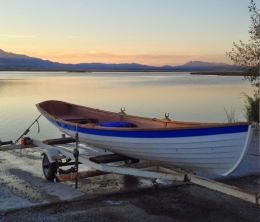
[{"x": 54, "y": 157}]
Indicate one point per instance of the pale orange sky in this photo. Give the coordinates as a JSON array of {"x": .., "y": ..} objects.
[{"x": 166, "y": 32}]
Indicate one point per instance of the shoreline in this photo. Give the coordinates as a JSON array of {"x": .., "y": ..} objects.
[
  {"x": 227, "y": 73},
  {"x": 238, "y": 73}
]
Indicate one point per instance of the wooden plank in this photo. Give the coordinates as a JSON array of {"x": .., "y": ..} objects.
[
  {"x": 59, "y": 141},
  {"x": 223, "y": 188},
  {"x": 83, "y": 120},
  {"x": 110, "y": 158},
  {"x": 79, "y": 175}
]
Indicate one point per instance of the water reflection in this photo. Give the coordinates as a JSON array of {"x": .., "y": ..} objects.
[{"x": 184, "y": 97}]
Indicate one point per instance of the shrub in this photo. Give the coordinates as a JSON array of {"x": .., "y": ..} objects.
[
  {"x": 230, "y": 115},
  {"x": 252, "y": 108}
]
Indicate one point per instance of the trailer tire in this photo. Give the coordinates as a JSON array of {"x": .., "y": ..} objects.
[{"x": 49, "y": 169}]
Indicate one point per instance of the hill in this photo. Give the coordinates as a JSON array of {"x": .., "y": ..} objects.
[{"x": 16, "y": 62}]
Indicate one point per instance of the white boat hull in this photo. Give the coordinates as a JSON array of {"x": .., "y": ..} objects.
[
  {"x": 218, "y": 154},
  {"x": 208, "y": 147}
]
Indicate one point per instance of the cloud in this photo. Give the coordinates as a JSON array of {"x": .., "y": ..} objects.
[
  {"x": 122, "y": 55},
  {"x": 17, "y": 36}
]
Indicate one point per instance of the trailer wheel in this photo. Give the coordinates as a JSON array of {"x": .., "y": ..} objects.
[{"x": 49, "y": 169}]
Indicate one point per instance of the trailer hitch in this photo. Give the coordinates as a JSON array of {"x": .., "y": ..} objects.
[{"x": 10, "y": 142}]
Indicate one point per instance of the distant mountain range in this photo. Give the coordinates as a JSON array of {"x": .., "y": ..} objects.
[{"x": 17, "y": 62}]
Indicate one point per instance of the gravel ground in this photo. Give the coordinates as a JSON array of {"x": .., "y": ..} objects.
[
  {"x": 185, "y": 202},
  {"x": 26, "y": 196}
]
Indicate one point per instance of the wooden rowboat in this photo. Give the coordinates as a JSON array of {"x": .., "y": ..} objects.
[{"x": 216, "y": 148}]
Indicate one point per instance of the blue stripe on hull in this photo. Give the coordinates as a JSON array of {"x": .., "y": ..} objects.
[{"x": 156, "y": 133}]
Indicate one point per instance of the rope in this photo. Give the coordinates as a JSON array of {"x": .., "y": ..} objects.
[{"x": 28, "y": 130}]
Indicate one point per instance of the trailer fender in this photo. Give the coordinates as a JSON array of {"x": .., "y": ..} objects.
[{"x": 50, "y": 152}]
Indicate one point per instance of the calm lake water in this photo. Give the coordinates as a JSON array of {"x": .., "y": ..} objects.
[{"x": 185, "y": 97}]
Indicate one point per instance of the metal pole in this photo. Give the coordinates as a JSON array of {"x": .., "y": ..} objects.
[
  {"x": 76, "y": 154},
  {"x": 257, "y": 28},
  {"x": 27, "y": 131}
]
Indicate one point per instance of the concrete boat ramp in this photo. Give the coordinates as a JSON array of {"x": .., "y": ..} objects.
[{"x": 23, "y": 185}]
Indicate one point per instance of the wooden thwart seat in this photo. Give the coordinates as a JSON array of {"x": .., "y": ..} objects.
[{"x": 83, "y": 120}]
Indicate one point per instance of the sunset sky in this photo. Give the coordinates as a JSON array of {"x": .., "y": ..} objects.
[{"x": 152, "y": 32}]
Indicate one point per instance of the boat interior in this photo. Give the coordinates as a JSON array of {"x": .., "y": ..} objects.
[{"x": 95, "y": 117}]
